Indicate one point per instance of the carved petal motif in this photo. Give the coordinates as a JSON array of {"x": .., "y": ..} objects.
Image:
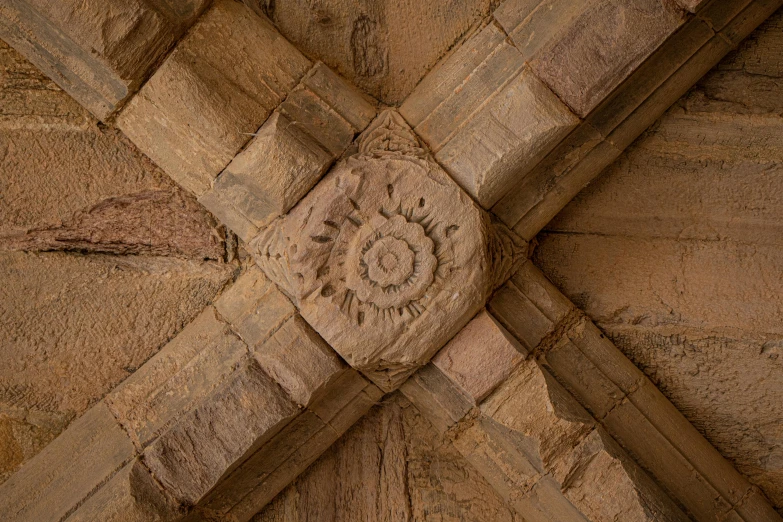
[{"x": 387, "y": 258}]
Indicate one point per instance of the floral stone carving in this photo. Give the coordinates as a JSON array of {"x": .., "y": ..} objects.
[{"x": 387, "y": 258}]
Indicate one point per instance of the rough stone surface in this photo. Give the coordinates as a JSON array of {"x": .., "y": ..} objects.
[
  {"x": 382, "y": 250},
  {"x": 99, "y": 51},
  {"x": 67, "y": 470},
  {"x": 480, "y": 356},
  {"x": 178, "y": 378},
  {"x": 602, "y": 46},
  {"x": 506, "y": 138},
  {"x": 383, "y": 47},
  {"x": 236, "y": 69},
  {"x": 674, "y": 253},
  {"x": 391, "y": 466},
  {"x": 55, "y": 308},
  {"x": 219, "y": 434}
]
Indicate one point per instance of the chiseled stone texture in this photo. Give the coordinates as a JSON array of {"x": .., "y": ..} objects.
[
  {"x": 675, "y": 253},
  {"x": 480, "y": 356},
  {"x": 55, "y": 308},
  {"x": 67, "y": 470},
  {"x": 599, "y": 49},
  {"x": 216, "y": 436},
  {"x": 99, "y": 51},
  {"x": 235, "y": 68},
  {"x": 383, "y": 46},
  {"x": 391, "y": 466},
  {"x": 385, "y": 248}
]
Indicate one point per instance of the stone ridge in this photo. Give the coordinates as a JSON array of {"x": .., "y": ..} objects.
[{"x": 387, "y": 259}]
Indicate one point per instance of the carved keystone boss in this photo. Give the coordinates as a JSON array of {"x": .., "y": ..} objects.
[{"x": 387, "y": 258}]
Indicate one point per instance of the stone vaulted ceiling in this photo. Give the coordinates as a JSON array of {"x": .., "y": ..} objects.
[{"x": 374, "y": 246}]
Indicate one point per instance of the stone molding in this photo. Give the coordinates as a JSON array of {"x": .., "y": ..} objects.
[{"x": 518, "y": 124}]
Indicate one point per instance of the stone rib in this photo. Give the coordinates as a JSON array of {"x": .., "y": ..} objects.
[{"x": 624, "y": 402}]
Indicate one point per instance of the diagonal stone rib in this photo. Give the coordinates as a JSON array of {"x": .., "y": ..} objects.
[
  {"x": 99, "y": 68},
  {"x": 624, "y": 402},
  {"x": 528, "y": 436},
  {"x": 218, "y": 422},
  {"x": 533, "y": 106}
]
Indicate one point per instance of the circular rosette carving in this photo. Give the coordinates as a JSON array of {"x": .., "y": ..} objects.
[{"x": 391, "y": 262}]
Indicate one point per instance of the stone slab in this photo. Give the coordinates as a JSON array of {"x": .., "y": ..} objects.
[
  {"x": 279, "y": 166},
  {"x": 236, "y": 69},
  {"x": 602, "y": 47},
  {"x": 132, "y": 495},
  {"x": 66, "y": 471},
  {"x": 219, "y": 434},
  {"x": 300, "y": 361},
  {"x": 437, "y": 397},
  {"x": 480, "y": 357},
  {"x": 99, "y": 51},
  {"x": 504, "y": 139},
  {"x": 179, "y": 377}
]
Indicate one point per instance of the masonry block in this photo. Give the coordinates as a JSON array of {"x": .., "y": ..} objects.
[
  {"x": 300, "y": 361},
  {"x": 218, "y": 435},
  {"x": 438, "y": 398},
  {"x": 212, "y": 94},
  {"x": 59, "y": 478},
  {"x": 254, "y": 307},
  {"x": 602, "y": 46},
  {"x": 480, "y": 357},
  {"x": 98, "y": 51},
  {"x": 506, "y": 138},
  {"x": 178, "y": 378},
  {"x": 132, "y": 495}
]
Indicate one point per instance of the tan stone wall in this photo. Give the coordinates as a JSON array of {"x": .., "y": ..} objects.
[
  {"x": 102, "y": 260},
  {"x": 675, "y": 251}
]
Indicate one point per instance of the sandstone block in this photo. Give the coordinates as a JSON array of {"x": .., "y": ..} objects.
[
  {"x": 340, "y": 393},
  {"x": 546, "y": 456},
  {"x": 99, "y": 51},
  {"x": 219, "y": 434},
  {"x": 504, "y": 139},
  {"x": 256, "y": 469},
  {"x": 381, "y": 250},
  {"x": 602, "y": 47},
  {"x": 548, "y": 299},
  {"x": 719, "y": 13},
  {"x": 235, "y": 68},
  {"x": 67, "y": 470},
  {"x": 132, "y": 495},
  {"x": 184, "y": 373},
  {"x": 750, "y": 18},
  {"x": 437, "y": 397},
  {"x": 355, "y": 409},
  {"x": 300, "y": 361},
  {"x": 451, "y": 93},
  {"x": 520, "y": 316},
  {"x": 254, "y": 307},
  {"x": 480, "y": 357},
  {"x": 265, "y": 180}
]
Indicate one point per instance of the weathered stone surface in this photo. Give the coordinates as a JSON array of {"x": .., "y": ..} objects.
[
  {"x": 67, "y": 470},
  {"x": 219, "y": 434},
  {"x": 384, "y": 47},
  {"x": 385, "y": 247},
  {"x": 76, "y": 326},
  {"x": 633, "y": 411},
  {"x": 506, "y": 138},
  {"x": 132, "y": 495},
  {"x": 438, "y": 398},
  {"x": 254, "y": 307},
  {"x": 178, "y": 378},
  {"x": 98, "y": 51},
  {"x": 391, "y": 466},
  {"x": 480, "y": 357},
  {"x": 457, "y": 88},
  {"x": 601, "y": 47},
  {"x": 266, "y": 179},
  {"x": 300, "y": 361},
  {"x": 236, "y": 69}
]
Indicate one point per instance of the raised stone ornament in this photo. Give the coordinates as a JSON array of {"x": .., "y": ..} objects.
[{"x": 387, "y": 258}]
